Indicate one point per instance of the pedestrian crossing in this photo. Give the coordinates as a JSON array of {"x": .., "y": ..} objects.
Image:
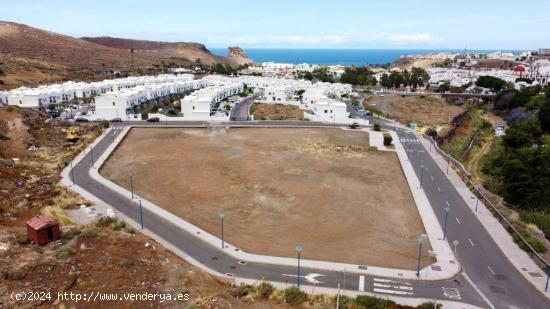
[
  {"x": 409, "y": 140},
  {"x": 394, "y": 287}
]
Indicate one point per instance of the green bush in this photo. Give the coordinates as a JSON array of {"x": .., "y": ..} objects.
[
  {"x": 23, "y": 240},
  {"x": 64, "y": 251},
  {"x": 104, "y": 221},
  {"x": 105, "y": 124},
  {"x": 539, "y": 218},
  {"x": 387, "y": 140},
  {"x": 371, "y": 302},
  {"x": 293, "y": 296},
  {"x": 129, "y": 230},
  {"x": 71, "y": 233},
  {"x": 118, "y": 225},
  {"x": 265, "y": 289},
  {"x": 88, "y": 233},
  {"x": 429, "y": 305},
  {"x": 376, "y": 127}
]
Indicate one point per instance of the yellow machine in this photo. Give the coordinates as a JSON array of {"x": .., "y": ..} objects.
[{"x": 72, "y": 135}]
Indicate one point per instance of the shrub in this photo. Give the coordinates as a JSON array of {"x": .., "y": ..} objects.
[
  {"x": 129, "y": 230},
  {"x": 64, "y": 251},
  {"x": 387, "y": 140},
  {"x": 71, "y": 233},
  {"x": 37, "y": 249},
  {"x": 373, "y": 302},
  {"x": 241, "y": 291},
  {"x": 105, "y": 124},
  {"x": 118, "y": 225},
  {"x": 104, "y": 221},
  {"x": 293, "y": 296},
  {"x": 88, "y": 233},
  {"x": 376, "y": 127},
  {"x": 265, "y": 289},
  {"x": 429, "y": 305},
  {"x": 23, "y": 240}
]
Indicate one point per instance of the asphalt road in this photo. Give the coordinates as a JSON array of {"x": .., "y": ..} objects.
[
  {"x": 240, "y": 111},
  {"x": 482, "y": 262}
]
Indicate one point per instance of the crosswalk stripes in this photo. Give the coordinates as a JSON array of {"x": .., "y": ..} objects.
[
  {"x": 396, "y": 287},
  {"x": 409, "y": 140}
]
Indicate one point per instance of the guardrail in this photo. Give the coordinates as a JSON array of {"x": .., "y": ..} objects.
[{"x": 467, "y": 178}]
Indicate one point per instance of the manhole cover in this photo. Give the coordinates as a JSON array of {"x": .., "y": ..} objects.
[{"x": 232, "y": 267}]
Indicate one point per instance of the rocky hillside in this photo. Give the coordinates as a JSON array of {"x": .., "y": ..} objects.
[
  {"x": 193, "y": 52},
  {"x": 31, "y": 56},
  {"x": 238, "y": 56}
]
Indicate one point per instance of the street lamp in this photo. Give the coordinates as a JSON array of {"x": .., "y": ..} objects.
[
  {"x": 222, "y": 216},
  {"x": 299, "y": 250},
  {"x": 547, "y": 280},
  {"x": 421, "y": 175},
  {"x": 132, "y": 185},
  {"x": 141, "y": 213},
  {"x": 455, "y": 243},
  {"x": 447, "y": 209},
  {"x": 421, "y": 239}
]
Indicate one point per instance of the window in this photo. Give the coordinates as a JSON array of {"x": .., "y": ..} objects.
[
  {"x": 326, "y": 111},
  {"x": 193, "y": 107},
  {"x": 113, "y": 103}
]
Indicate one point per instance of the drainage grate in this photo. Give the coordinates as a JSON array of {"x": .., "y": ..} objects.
[
  {"x": 436, "y": 268},
  {"x": 362, "y": 267},
  {"x": 536, "y": 275},
  {"x": 242, "y": 262}
]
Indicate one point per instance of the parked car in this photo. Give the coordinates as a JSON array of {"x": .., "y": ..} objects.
[
  {"x": 354, "y": 125},
  {"x": 80, "y": 119},
  {"x": 153, "y": 119},
  {"x": 116, "y": 120}
]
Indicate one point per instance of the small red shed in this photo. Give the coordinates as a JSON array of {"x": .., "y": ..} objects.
[{"x": 42, "y": 230}]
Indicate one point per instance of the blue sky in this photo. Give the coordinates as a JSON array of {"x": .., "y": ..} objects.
[{"x": 423, "y": 24}]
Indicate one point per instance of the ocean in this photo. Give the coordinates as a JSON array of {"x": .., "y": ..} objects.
[{"x": 346, "y": 57}]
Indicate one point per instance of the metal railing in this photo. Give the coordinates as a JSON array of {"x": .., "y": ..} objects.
[{"x": 467, "y": 178}]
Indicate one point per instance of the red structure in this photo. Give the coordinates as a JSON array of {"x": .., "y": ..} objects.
[
  {"x": 42, "y": 230},
  {"x": 519, "y": 70}
]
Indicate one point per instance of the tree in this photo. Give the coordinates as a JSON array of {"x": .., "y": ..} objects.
[
  {"x": 493, "y": 83},
  {"x": 544, "y": 114},
  {"x": 387, "y": 140},
  {"x": 385, "y": 81}
]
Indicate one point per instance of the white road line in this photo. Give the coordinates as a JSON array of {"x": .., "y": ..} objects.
[
  {"x": 438, "y": 189},
  {"x": 491, "y": 270},
  {"x": 397, "y": 287},
  {"x": 392, "y": 292},
  {"x": 432, "y": 177},
  {"x": 447, "y": 202},
  {"x": 471, "y": 242},
  {"x": 457, "y": 220},
  {"x": 361, "y": 283},
  {"x": 391, "y": 281},
  {"x": 479, "y": 291}
]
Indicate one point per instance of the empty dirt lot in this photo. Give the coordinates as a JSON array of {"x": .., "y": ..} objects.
[{"x": 321, "y": 188}]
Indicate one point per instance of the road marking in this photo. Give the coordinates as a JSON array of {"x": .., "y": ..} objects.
[
  {"x": 471, "y": 242},
  {"x": 447, "y": 202},
  {"x": 398, "y": 287},
  {"x": 438, "y": 189},
  {"x": 392, "y": 281},
  {"x": 457, "y": 220},
  {"x": 392, "y": 292},
  {"x": 452, "y": 293},
  {"x": 432, "y": 177},
  {"x": 479, "y": 291},
  {"x": 361, "y": 283},
  {"x": 491, "y": 270}
]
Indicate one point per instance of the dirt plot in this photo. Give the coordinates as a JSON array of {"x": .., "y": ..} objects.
[
  {"x": 429, "y": 111},
  {"x": 264, "y": 111},
  {"x": 321, "y": 188}
]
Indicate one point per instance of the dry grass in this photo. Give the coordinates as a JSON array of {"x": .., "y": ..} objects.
[{"x": 57, "y": 213}]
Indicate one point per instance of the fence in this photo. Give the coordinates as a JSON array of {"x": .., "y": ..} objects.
[{"x": 467, "y": 178}]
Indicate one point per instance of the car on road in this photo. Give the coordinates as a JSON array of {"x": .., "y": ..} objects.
[
  {"x": 354, "y": 125},
  {"x": 80, "y": 119},
  {"x": 154, "y": 119},
  {"x": 116, "y": 120}
]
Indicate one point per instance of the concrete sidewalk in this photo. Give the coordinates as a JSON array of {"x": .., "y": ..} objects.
[{"x": 519, "y": 258}]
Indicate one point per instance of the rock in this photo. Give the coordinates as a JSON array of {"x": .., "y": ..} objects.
[{"x": 238, "y": 56}]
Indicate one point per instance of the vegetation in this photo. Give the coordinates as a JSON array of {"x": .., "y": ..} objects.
[
  {"x": 522, "y": 167},
  {"x": 293, "y": 296},
  {"x": 490, "y": 82},
  {"x": 71, "y": 233},
  {"x": 365, "y": 301},
  {"x": 358, "y": 76},
  {"x": 388, "y": 140},
  {"x": 417, "y": 77},
  {"x": 376, "y": 127},
  {"x": 320, "y": 74}
]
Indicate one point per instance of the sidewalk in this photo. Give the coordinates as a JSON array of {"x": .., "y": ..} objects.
[{"x": 519, "y": 258}]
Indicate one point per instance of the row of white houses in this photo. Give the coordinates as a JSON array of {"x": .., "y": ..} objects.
[
  {"x": 42, "y": 96},
  {"x": 202, "y": 104}
]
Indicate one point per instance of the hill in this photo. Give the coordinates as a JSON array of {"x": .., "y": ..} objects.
[{"x": 31, "y": 56}]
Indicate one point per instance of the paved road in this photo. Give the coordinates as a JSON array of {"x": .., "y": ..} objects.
[
  {"x": 240, "y": 110},
  {"x": 504, "y": 286}
]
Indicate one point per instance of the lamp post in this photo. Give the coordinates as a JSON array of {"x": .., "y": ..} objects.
[
  {"x": 141, "y": 213},
  {"x": 421, "y": 239},
  {"x": 299, "y": 250},
  {"x": 455, "y": 244},
  {"x": 547, "y": 280},
  {"x": 421, "y": 175},
  {"x": 72, "y": 172},
  {"x": 132, "y": 185},
  {"x": 447, "y": 209},
  {"x": 222, "y": 216}
]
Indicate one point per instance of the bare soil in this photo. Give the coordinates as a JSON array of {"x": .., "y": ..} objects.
[
  {"x": 321, "y": 188},
  {"x": 265, "y": 111},
  {"x": 429, "y": 111}
]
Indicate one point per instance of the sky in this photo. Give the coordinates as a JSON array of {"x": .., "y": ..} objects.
[{"x": 361, "y": 24}]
